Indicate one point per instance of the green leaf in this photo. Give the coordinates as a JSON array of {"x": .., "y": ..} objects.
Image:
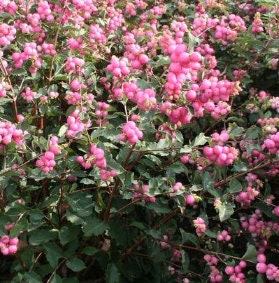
[
  {"x": 90, "y": 251},
  {"x": 252, "y": 133},
  {"x": 185, "y": 262},
  {"x": 201, "y": 139},
  {"x": 192, "y": 41},
  {"x": 70, "y": 280},
  {"x": 264, "y": 208},
  {"x": 19, "y": 226},
  {"x": 112, "y": 274},
  {"x": 36, "y": 216},
  {"x": 73, "y": 218},
  {"x": 139, "y": 225},
  {"x": 4, "y": 101},
  {"x": 186, "y": 149},
  {"x": 237, "y": 132},
  {"x": 93, "y": 226},
  {"x": 81, "y": 203},
  {"x": 163, "y": 61},
  {"x": 240, "y": 166},
  {"x": 68, "y": 234},
  {"x": 53, "y": 253},
  {"x": 225, "y": 211},
  {"x": 250, "y": 254},
  {"x": 235, "y": 186},
  {"x": 112, "y": 164},
  {"x": 189, "y": 238},
  {"x": 162, "y": 144},
  {"x": 154, "y": 233},
  {"x": 260, "y": 278},
  {"x": 157, "y": 161},
  {"x": 211, "y": 233},
  {"x": 62, "y": 131},
  {"x": 40, "y": 236},
  {"x": 195, "y": 188},
  {"x": 208, "y": 184},
  {"x": 56, "y": 279},
  {"x": 176, "y": 168},
  {"x": 143, "y": 84},
  {"x": 158, "y": 207},
  {"x": 27, "y": 255},
  {"x": 179, "y": 138},
  {"x": 75, "y": 264},
  {"x": 32, "y": 277},
  {"x": 87, "y": 181}
]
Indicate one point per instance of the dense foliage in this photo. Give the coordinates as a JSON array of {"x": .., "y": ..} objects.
[{"x": 139, "y": 141}]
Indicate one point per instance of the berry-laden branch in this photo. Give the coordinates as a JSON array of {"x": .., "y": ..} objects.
[
  {"x": 155, "y": 227},
  {"x": 237, "y": 175},
  {"x": 116, "y": 186}
]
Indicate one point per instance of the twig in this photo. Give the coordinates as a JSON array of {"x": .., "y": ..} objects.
[
  {"x": 237, "y": 175},
  {"x": 155, "y": 227}
]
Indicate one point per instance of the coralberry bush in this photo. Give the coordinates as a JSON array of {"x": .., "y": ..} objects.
[{"x": 139, "y": 141}]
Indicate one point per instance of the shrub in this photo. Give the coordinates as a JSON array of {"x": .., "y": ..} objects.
[{"x": 139, "y": 141}]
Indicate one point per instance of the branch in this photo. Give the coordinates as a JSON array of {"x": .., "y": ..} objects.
[
  {"x": 116, "y": 186},
  {"x": 155, "y": 227},
  {"x": 237, "y": 175}
]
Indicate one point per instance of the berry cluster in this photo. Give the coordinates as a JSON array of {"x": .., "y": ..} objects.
[
  {"x": 102, "y": 112},
  {"x": 274, "y": 103},
  {"x": 8, "y": 245},
  {"x": 190, "y": 199},
  {"x": 29, "y": 51},
  {"x": 47, "y": 161},
  {"x": 131, "y": 133},
  {"x": 184, "y": 66},
  {"x": 9, "y": 7},
  {"x": 236, "y": 272},
  {"x": 136, "y": 56},
  {"x": 178, "y": 116},
  {"x": 44, "y": 11},
  {"x": 107, "y": 175},
  {"x": 4, "y": 87},
  {"x": 221, "y": 138},
  {"x": 74, "y": 65},
  {"x": 259, "y": 228},
  {"x": 7, "y": 34},
  {"x": 269, "y": 125},
  {"x": 9, "y": 133},
  {"x": 141, "y": 192},
  {"x": 145, "y": 99},
  {"x": 164, "y": 244},
  {"x": 75, "y": 125},
  {"x": 215, "y": 275},
  {"x": 200, "y": 226},
  {"x": 28, "y": 94},
  {"x": 96, "y": 157},
  {"x": 221, "y": 155},
  {"x": 224, "y": 236},
  {"x": 73, "y": 98},
  {"x": 176, "y": 188},
  {"x": 216, "y": 90},
  {"x": 116, "y": 18},
  {"x": 97, "y": 34},
  {"x": 75, "y": 44},
  {"x": 257, "y": 25},
  {"x": 118, "y": 67},
  {"x": 272, "y": 144},
  {"x": 271, "y": 270},
  {"x": 229, "y": 27},
  {"x": 251, "y": 192}
]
